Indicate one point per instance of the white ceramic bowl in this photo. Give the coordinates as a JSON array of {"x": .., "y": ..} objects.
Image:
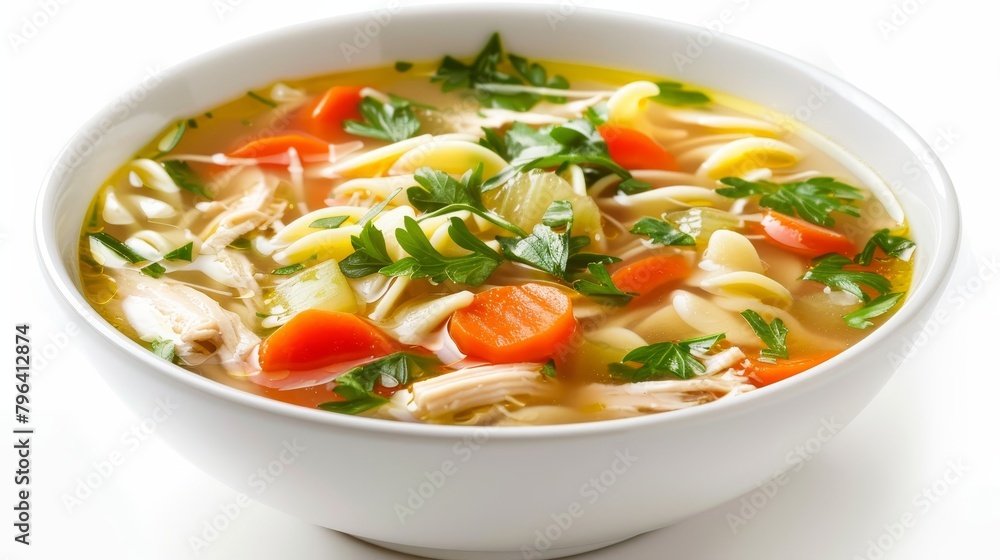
[{"x": 531, "y": 492}]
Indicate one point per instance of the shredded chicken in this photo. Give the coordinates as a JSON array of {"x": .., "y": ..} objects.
[
  {"x": 234, "y": 270},
  {"x": 475, "y": 387},
  {"x": 256, "y": 208},
  {"x": 200, "y": 329},
  {"x": 632, "y": 399}
]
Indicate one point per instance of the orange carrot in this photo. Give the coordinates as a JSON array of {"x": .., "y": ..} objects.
[
  {"x": 764, "y": 373},
  {"x": 276, "y": 145},
  {"x": 632, "y": 149},
  {"x": 527, "y": 323},
  {"x": 315, "y": 338},
  {"x": 804, "y": 238},
  {"x": 325, "y": 116},
  {"x": 646, "y": 275}
]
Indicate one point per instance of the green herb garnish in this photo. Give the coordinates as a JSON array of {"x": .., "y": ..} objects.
[
  {"x": 370, "y": 254},
  {"x": 483, "y": 71},
  {"x": 674, "y": 94},
  {"x": 661, "y": 232},
  {"x": 393, "y": 121},
  {"x": 773, "y": 334},
  {"x": 424, "y": 261},
  {"x": 878, "y": 306},
  {"x": 829, "y": 270},
  {"x": 812, "y": 200},
  {"x": 357, "y": 386},
  {"x": 183, "y": 253},
  {"x": 117, "y": 247},
  {"x": 332, "y": 222},
  {"x": 666, "y": 358},
  {"x": 574, "y": 142},
  {"x": 892, "y": 245},
  {"x": 601, "y": 286},
  {"x": 403, "y": 66},
  {"x": 182, "y": 174}
]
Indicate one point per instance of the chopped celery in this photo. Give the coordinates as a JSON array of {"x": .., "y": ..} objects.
[
  {"x": 524, "y": 199},
  {"x": 320, "y": 287}
]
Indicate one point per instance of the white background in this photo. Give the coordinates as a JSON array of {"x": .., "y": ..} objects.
[{"x": 934, "y": 426}]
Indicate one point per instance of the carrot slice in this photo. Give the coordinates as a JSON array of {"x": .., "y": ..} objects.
[
  {"x": 802, "y": 237},
  {"x": 325, "y": 116},
  {"x": 764, "y": 373},
  {"x": 527, "y": 323},
  {"x": 632, "y": 149},
  {"x": 276, "y": 145},
  {"x": 646, "y": 275},
  {"x": 315, "y": 338}
]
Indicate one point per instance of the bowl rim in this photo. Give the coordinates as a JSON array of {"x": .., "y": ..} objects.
[{"x": 931, "y": 286}]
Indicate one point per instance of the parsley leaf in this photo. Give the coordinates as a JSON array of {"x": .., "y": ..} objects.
[
  {"x": 666, "y": 358},
  {"x": 440, "y": 189},
  {"x": 426, "y": 262},
  {"x": 829, "y": 270},
  {"x": 878, "y": 306},
  {"x": 153, "y": 270},
  {"x": 521, "y": 143},
  {"x": 117, "y": 247},
  {"x": 370, "y": 254},
  {"x": 604, "y": 287},
  {"x": 537, "y": 76},
  {"x": 393, "y": 121},
  {"x": 183, "y": 253},
  {"x": 182, "y": 174},
  {"x": 674, "y": 94},
  {"x": 483, "y": 71},
  {"x": 403, "y": 66},
  {"x": 544, "y": 249},
  {"x": 812, "y": 200},
  {"x": 574, "y": 142},
  {"x": 332, "y": 222},
  {"x": 357, "y": 386},
  {"x": 893, "y": 245},
  {"x": 661, "y": 232},
  {"x": 772, "y": 334}
]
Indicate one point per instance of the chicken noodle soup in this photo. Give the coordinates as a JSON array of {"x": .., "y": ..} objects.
[{"x": 493, "y": 240}]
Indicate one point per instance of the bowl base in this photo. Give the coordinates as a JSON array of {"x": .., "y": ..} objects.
[{"x": 527, "y": 553}]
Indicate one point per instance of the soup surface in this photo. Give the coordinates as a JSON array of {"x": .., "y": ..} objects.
[{"x": 493, "y": 240}]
